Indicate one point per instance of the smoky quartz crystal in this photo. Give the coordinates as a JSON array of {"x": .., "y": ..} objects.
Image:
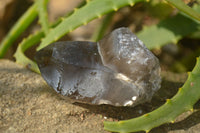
[{"x": 118, "y": 70}]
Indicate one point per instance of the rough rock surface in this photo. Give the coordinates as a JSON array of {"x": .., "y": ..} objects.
[{"x": 28, "y": 105}]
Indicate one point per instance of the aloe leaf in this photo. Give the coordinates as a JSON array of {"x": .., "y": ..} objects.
[
  {"x": 23, "y": 46},
  {"x": 29, "y": 42},
  {"x": 186, "y": 63},
  {"x": 179, "y": 4},
  {"x": 93, "y": 9},
  {"x": 183, "y": 101},
  {"x": 167, "y": 31},
  {"x": 42, "y": 11},
  {"x": 18, "y": 28}
]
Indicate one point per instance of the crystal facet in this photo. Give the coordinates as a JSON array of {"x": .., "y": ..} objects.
[{"x": 118, "y": 70}]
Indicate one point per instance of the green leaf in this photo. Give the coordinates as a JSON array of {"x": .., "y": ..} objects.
[
  {"x": 42, "y": 10},
  {"x": 93, "y": 9},
  {"x": 17, "y": 29},
  {"x": 29, "y": 42},
  {"x": 167, "y": 31},
  {"x": 23, "y": 46},
  {"x": 185, "y": 9},
  {"x": 183, "y": 101}
]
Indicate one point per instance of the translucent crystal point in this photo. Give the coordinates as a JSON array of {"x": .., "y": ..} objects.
[
  {"x": 118, "y": 70},
  {"x": 124, "y": 53}
]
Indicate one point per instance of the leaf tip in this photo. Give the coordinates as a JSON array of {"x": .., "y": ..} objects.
[
  {"x": 115, "y": 8},
  {"x": 147, "y": 131}
]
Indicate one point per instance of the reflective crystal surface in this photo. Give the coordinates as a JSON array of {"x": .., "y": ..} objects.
[{"x": 118, "y": 70}]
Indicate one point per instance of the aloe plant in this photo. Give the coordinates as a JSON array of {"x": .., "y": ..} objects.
[
  {"x": 91, "y": 10},
  {"x": 17, "y": 29},
  {"x": 179, "y": 104},
  {"x": 171, "y": 29},
  {"x": 183, "y": 101}
]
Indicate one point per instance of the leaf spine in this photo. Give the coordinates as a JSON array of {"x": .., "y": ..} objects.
[
  {"x": 75, "y": 9},
  {"x": 189, "y": 108},
  {"x": 115, "y": 8},
  {"x": 168, "y": 101},
  {"x": 131, "y": 3},
  {"x": 99, "y": 16},
  {"x": 166, "y": 2},
  {"x": 87, "y": 1},
  {"x": 172, "y": 121},
  {"x": 55, "y": 38},
  {"x": 188, "y": 73},
  {"x": 120, "y": 122},
  {"x": 85, "y": 23},
  {"x": 62, "y": 19}
]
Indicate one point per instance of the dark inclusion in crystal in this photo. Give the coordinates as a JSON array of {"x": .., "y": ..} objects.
[{"x": 118, "y": 70}]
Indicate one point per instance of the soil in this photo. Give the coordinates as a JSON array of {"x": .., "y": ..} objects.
[{"x": 29, "y": 105}]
